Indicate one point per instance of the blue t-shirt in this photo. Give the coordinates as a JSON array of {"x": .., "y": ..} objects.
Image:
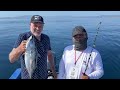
[{"x": 42, "y": 47}]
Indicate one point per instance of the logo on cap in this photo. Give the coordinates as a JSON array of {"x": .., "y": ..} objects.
[{"x": 37, "y": 18}]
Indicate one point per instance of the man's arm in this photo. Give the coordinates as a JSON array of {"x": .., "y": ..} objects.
[
  {"x": 52, "y": 64},
  {"x": 16, "y": 52},
  {"x": 61, "y": 74},
  {"x": 98, "y": 68}
]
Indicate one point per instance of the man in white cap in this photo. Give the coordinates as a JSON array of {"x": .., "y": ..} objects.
[{"x": 80, "y": 61}]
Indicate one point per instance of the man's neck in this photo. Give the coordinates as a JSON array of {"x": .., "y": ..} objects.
[
  {"x": 38, "y": 38},
  {"x": 80, "y": 49}
]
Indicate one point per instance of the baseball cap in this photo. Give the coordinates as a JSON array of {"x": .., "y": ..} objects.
[
  {"x": 37, "y": 18},
  {"x": 78, "y": 30}
]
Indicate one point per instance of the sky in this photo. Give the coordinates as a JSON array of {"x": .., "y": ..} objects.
[{"x": 57, "y": 13}]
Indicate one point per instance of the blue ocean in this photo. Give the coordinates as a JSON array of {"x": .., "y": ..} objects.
[{"x": 59, "y": 29}]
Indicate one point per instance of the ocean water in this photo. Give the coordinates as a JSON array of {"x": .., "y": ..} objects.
[{"x": 59, "y": 29}]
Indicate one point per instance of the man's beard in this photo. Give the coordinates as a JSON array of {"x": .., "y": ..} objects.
[
  {"x": 35, "y": 33},
  {"x": 80, "y": 45}
]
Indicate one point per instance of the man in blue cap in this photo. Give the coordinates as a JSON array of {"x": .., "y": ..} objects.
[{"x": 43, "y": 47}]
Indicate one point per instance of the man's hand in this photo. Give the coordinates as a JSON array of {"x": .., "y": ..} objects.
[
  {"x": 22, "y": 47},
  {"x": 16, "y": 52},
  {"x": 55, "y": 75},
  {"x": 84, "y": 76}
]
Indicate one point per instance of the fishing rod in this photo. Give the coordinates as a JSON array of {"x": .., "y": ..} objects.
[{"x": 93, "y": 46}]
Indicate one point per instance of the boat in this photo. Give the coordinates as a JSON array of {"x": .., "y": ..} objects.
[{"x": 17, "y": 74}]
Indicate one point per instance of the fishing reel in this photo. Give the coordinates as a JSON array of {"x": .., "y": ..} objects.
[{"x": 50, "y": 74}]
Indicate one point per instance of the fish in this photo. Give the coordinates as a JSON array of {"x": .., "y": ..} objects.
[{"x": 31, "y": 56}]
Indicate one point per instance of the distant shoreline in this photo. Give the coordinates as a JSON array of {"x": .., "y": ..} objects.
[{"x": 28, "y": 16}]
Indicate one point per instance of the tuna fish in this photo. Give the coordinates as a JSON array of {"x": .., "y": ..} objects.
[{"x": 31, "y": 56}]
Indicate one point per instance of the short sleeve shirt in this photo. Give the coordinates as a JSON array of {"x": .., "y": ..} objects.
[{"x": 42, "y": 47}]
